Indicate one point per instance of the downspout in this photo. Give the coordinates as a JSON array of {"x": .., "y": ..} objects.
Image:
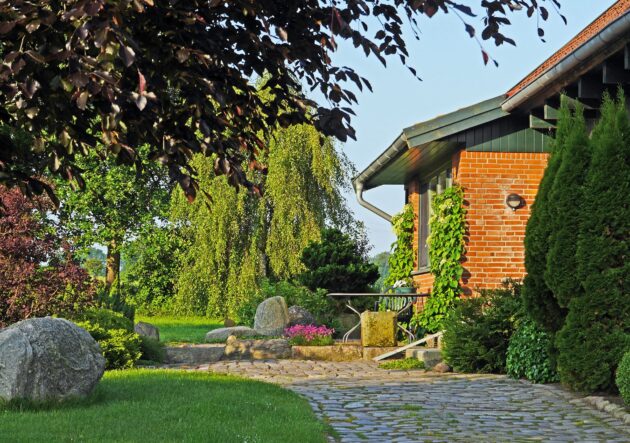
[
  {"x": 611, "y": 34},
  {"x": 358, "y": 189}
]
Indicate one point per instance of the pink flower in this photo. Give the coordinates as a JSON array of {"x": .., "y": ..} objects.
[{"x": 308, "y": 332}]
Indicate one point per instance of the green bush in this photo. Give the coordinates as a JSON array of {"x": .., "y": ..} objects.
[
  {"x": 596, "y": 332},
  {"x": 565, "y": 214},
  {"x": 528, "y": 354},
  {"x": 478, "y": 330},
  {"x": 114, "y": 333},
  {"x": 316, "y": 302},
  {"x": 337, "y": 264},
  {"x": 538, "y": 299},
  {"x": 151, "y": 349},
  {"x": 623, "y": 378},
  {"x": 106, "y": 319}
]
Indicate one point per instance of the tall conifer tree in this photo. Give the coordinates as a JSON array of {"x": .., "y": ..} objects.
[
  {"x": 597, "y": 329},
  {"x": 564, "y": 210},
  {"x": 538, "y": 298}
]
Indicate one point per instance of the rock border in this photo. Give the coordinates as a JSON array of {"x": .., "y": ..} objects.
[{"x": 603, "y": 405}]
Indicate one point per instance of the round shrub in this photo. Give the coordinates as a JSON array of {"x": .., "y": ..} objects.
[
  {"x": 528, "y": 354},
  {"x": 478, "y": 330},
  {"x": 623, "y": 378},
  {"x": 120, "y": 346},
  {"x": 152, "y": 349}
]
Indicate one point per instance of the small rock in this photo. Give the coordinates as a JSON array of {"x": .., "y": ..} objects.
[
  {"x": 442, "y": 367},
  {"x": 300, "y": 316},
  {"x": 272, "y": 316},
  {"x": 222, "y": 334},
  {"x": 229, "y": 323},
  {"x": 48, "y": 359},
  {"x": 147, "y": 330}
]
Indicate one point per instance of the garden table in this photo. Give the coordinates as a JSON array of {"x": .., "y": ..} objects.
[{"x": 348, "y": 296}]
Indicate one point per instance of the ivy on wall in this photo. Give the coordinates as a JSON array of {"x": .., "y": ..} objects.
[
  {"x": 446, "y": 249},
  {"x": 401, "y": 258}
]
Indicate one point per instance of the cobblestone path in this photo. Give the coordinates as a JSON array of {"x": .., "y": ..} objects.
[{"x": 365, "y": 403}]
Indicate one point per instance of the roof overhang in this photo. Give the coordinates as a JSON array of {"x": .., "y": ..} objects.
[
  {"x": 423, "y": 146},
  {"x": 595, "y": 50}
]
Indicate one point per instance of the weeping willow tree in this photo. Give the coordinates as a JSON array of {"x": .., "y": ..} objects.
[{"x": 240, "y": 238}]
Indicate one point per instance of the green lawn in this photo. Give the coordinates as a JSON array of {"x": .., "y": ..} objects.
[
  {"x": 165, "y": 406},
  {"x": 182, "y": 329}
]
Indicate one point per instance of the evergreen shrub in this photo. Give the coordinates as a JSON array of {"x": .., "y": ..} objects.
[
  {"x": 596, "y": 332},
  {"x": 528, "y": 354},
  {"x": 120, "y": 346},
  {"x": 152, "y": 349},
  {"x": 623, "y": 378},
  {"x": 478, "y": 330},
  {"x": 539, "y": 301},
  {"x": 337, "y": 264}
]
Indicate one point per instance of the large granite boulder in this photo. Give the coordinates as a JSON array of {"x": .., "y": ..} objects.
[
  {"x": 48, "y": 359},
  {"x": 274, "y": 348},
  {"x": 147, "y": 330},
  {"x": 300, "y": 316},
  {"x": 222, "y": 334},
  {"x": 272, "y": 317}
]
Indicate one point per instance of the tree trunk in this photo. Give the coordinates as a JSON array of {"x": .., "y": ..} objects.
[{"x": 112, "y": 264}]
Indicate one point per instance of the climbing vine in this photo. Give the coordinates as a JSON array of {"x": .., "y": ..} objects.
[
  {"x": 401, "y": 258},
  {"x": 446, "y": 249}
]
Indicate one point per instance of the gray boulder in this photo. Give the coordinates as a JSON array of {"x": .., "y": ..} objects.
[
  {"x": 300, "y": 316},
  {"x": 147, "y": 330},
  {"x": 272, "y": 316},
  {"x": 223, "y": 333},
  {"x": 48, "y": 359}
]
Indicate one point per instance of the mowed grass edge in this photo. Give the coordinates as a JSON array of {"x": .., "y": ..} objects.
[
  {"x": 142, "y": 405},
  {"x": 182, "y": 329}
]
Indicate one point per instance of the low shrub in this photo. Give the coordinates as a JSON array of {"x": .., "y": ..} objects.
[
  {"x": 404, "y": 364},
  {"x": 309, "y": 335},
  {"x": 623, "y": 378},
  {"x": 106, "y": 318},
  {"x": 478, "y": 330},
  {"x": 120, "y": 346},
  {"x": 316, "y": 302},
  {"x": 528, "y": 354},
  {"x": 151, "y": 349}
]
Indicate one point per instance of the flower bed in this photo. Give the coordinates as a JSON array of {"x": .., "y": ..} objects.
[{"x": 309, "y": 335}]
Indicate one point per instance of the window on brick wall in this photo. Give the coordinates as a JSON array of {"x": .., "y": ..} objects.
[{"x": 433, "y": 184}]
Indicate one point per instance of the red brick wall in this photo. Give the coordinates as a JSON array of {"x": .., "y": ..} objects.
[{"x": 494, "y": 244}]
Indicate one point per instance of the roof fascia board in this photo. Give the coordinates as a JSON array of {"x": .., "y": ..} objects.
[{"x": 590, "y": 53}]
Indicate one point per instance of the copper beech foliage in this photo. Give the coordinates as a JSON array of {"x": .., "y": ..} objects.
[
  {"x": 177, "y": 74},
  {"x": 37, "y": 275}
]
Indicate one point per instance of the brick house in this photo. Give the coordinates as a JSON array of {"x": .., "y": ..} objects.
[{"x": 498, "y": 149}]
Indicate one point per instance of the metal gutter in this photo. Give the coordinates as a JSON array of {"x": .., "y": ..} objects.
[
  {"x": 600, "y": 45},
  {"x": 399, "y": 145}
]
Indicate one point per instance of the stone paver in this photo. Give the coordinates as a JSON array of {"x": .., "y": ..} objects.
[{"x": 365, "y": 403}]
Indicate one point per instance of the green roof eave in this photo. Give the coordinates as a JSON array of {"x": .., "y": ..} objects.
[{"x": 422, "y": 144}]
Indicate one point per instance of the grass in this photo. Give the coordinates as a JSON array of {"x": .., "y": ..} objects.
[
  {"x": 403, "y": 364},
  {"x": 182, "y": 329},
  {"x": 162, "y": 406}
]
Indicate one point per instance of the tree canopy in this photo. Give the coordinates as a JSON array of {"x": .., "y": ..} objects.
[
  {"x": 177, "y": 75},
  {"x": 236, "y": 239}
]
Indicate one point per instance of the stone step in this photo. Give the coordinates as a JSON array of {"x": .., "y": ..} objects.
[
  {"x": 194, "y": 354},
  {"x": 430, "y": 356}
]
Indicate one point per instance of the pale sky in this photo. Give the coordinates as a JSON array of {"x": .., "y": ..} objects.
[{"x": 453, "y": 74}]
